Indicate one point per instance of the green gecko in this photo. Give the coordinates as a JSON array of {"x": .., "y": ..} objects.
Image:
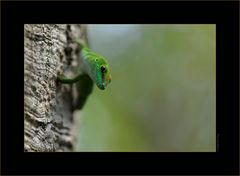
[{"x": 94, "y": 69}]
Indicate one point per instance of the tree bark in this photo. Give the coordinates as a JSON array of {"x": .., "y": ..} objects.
[{"x": 48, "y": 113}]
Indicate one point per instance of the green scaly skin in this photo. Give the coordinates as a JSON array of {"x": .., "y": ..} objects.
[{"x": 94, "y": 68}]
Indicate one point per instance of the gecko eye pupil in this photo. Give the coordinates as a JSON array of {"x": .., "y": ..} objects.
[{"x": 103, "y": 68}]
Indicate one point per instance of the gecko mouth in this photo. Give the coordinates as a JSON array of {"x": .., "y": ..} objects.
[
  {"x": 103, "y": 82},
  {"x": 101, "y": 86}
]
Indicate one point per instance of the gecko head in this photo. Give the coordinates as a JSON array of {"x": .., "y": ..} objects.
[{"x": 102, "y": 73}]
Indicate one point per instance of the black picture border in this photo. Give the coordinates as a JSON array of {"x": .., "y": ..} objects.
[{"x": 226, "y": 17}]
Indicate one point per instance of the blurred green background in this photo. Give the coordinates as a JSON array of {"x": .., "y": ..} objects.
[{"x": 162, "y": 94}]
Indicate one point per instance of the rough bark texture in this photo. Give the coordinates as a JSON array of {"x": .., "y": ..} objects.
[{"x": 48, "y": 116}]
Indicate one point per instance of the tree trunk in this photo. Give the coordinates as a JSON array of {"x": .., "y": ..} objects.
[{"x": 48, "y": 113}]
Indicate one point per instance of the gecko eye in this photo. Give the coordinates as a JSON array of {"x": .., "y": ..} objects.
[{"x": 103, "y": 68}]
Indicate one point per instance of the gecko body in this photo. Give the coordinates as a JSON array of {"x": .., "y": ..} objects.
[{"x": 94, "y": 69}]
